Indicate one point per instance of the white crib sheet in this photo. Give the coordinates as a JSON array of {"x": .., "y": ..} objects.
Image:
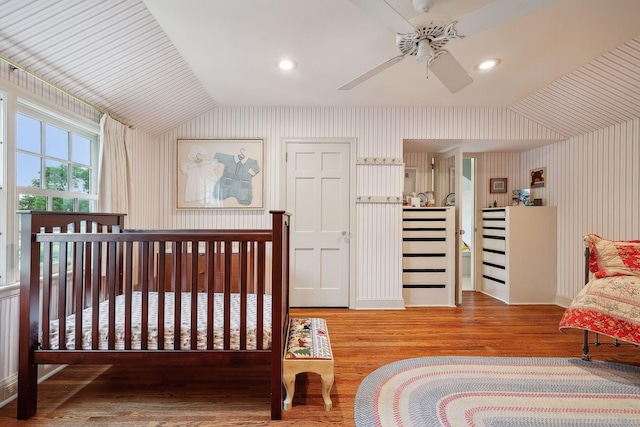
[{"x": 185, "y": 336}]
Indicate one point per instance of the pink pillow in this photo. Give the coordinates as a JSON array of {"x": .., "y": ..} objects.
[{"x": 613, "y": 257}]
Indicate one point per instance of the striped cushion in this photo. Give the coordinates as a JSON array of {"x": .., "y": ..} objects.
[{"x": 308, "y": 339}]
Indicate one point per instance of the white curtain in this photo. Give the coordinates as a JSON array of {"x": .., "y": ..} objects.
[{"x": 113, "y": 181}]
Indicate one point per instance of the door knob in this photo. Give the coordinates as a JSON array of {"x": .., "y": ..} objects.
[{"x": 344, "y": 233}]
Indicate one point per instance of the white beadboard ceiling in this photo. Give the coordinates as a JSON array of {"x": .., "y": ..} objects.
[
  {"x": 572, "y": 67},
  {"x": 111, "y": 53}
]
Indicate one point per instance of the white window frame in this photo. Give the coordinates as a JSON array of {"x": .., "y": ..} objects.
[
  {"x": 16, "y": 100},
  {"x": 48, "y": 118}
]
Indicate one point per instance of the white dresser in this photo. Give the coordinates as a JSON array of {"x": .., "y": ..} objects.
[
  {"x": 428, "y": 256},
  {"x": 519, "y": 262}
]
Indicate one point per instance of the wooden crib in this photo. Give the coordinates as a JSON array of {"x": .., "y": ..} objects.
[{"x": 92, "y": 292}]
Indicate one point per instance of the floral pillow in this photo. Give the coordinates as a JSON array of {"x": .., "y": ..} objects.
[{"x": 613, "y": 257}]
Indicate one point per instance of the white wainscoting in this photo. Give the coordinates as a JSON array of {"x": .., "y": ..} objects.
[{"x": 9, "y": 315}]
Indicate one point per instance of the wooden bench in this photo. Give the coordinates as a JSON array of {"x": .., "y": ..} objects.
[{"x": 308, "y": 350}]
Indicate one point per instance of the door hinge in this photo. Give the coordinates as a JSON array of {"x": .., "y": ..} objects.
[{"x": 286, "y": 156}]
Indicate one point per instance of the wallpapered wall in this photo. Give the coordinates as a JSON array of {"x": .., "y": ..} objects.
[{"x": 379, "y": 133}]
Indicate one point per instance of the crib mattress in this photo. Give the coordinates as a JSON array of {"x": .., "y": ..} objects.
[{"x": 185, "y": 334}]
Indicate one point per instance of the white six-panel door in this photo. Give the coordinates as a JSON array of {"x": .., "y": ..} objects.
[{"x": 318, "y": 199}]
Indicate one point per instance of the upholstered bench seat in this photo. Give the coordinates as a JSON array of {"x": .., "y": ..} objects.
[{"x": 308, "y": 350}]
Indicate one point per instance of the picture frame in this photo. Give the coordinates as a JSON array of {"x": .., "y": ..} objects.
[
  {"x": 538, "y": 177},
  {"x": 498, "y": 185},
  {"x": 220, "y": 174},
  {"x": 410, "y": 181}
]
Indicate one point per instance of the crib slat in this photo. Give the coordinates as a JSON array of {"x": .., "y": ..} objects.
[
  {"x": 228, "y": 250},
  {"x": 260, "y": 296},
  {"x": 87, "y": 275},
  {"x": 95, "y": 295},
  {"x": 242, "y": 277},
  {"x": 162, "y": 252},
  {"x": 143, "y": 250},
  {"x": 218, "y": 285},
  {"x": 78, "y": 255},
  {"x": 46, "y": 293},
  {"x": 177, "y": 312},
  {"x": 111, "y": 292},
  {"x": 62, "y": 296},
  {"x": 209, "y": 280},
  {"x": 128, "y": 293},
  {"x": 194, "y": 295}
]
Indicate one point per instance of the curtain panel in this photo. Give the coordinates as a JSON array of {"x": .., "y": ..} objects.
[{"x": 113, "y": 181}]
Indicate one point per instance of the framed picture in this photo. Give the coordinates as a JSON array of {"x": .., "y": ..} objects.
[
  {"x": 410, "y": 181},
  {"x": 538, "y": 177},
  {"x": 220, "y": 174},
  {"x": 498, "y": 185}
]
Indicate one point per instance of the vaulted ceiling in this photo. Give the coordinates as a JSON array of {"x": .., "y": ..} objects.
[{"x": 573, "y": 66}]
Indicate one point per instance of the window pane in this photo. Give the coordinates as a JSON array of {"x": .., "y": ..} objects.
[
  {"x": 84, "y": 205},
  {"x": 81, "y": 179},
  {"x": 32, "y": 203},
  {"x": 28, "y": 134},
  {"x": 62, "y": 204},
  {"x": 28, "y": 173},
  {"x": 56, "y": 175},
  {"x": 57, "y": 142},
  {"x": 80, "y": 149}
]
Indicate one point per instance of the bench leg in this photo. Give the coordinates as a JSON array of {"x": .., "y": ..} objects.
[
  {"x": 289, "y": 381},
  {"x": 327, "y": 383}
]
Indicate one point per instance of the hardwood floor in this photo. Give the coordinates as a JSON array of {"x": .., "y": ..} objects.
[{"x": 362, "y": 341}]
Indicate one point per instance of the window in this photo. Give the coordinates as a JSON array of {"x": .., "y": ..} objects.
[
  {"x": 50, "y": 162},
  {"x": 55, "y": 163}
]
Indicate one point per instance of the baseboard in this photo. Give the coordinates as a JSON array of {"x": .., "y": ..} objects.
[
  {"x": 563, "y": 301},
  {"x": 8, "y": 389},
  {"x": 380, "y": 304},
  {"x": 9, "y": 386}
]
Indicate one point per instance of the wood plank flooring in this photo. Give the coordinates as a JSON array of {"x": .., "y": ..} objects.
[{"x": 362, "y": 342}]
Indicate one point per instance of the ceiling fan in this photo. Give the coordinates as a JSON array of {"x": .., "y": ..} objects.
[{"x": 427, "y": 38}]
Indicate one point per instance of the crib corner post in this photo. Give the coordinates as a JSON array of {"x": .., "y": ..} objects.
[{"x": 29, "y": 317}]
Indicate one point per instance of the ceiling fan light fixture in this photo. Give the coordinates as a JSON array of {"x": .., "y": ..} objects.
[
  {"x": 424, "y": 50},
  {"x": 488, "y": 64},
  {"x": 287, "y": 64}
]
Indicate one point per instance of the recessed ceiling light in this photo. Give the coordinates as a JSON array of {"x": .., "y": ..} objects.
[
  {"x": 488, "y": 64},
  {"x": 287, "y": 64}
]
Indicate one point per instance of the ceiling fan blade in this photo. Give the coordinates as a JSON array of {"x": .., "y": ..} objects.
[
  {"x": 386, "y": 14},
  {"x": 366, "y": 76},
  {"x": 450, "y": 72},
  {"x": 496, "y": 13}
]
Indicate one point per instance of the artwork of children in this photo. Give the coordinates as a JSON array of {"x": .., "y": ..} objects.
[{"x": 222, "y": 174}]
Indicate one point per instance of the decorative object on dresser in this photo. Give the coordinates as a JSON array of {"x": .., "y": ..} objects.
[
  {"x": 498, "y": 185},
  {"x": 516, "y": 242},
  {"x": 109, "y": 304},
  {"x": 428, "y": 256},
  {"x": 520, "y": 197}
]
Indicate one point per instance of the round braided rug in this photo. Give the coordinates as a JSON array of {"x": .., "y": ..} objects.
[{"x": 499, "y": 392}]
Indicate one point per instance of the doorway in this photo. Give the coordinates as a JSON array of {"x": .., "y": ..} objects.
[{"x": 468, "y": 223}]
